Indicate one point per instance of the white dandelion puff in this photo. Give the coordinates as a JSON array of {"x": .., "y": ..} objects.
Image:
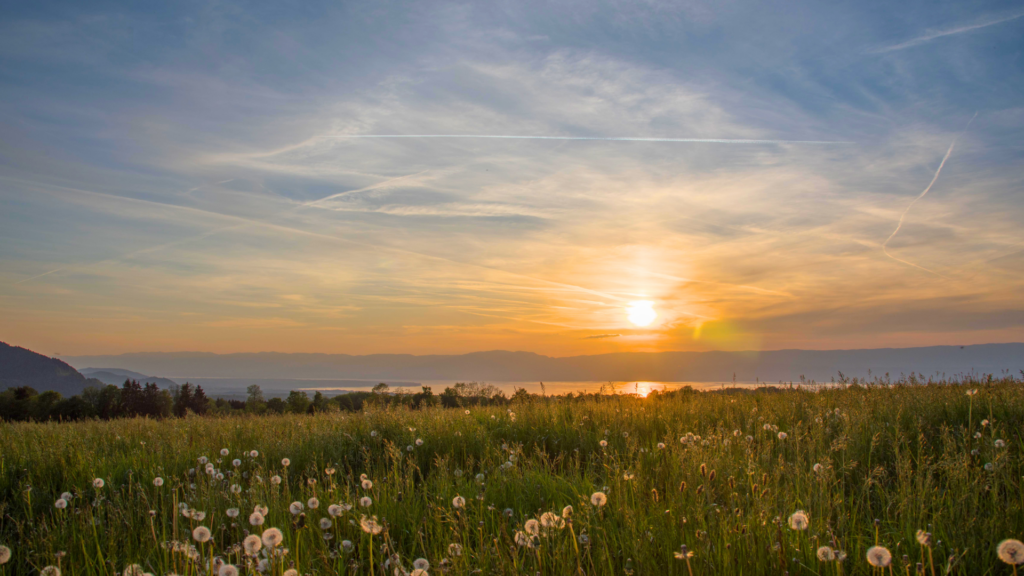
[
  {"x": 459, "y": 502},
  {"x": 1011, "y": 551},
  {"x": 272, "y": 537},
  {"x": 252, "y": 544},
  {"x": 879, "y": 556},
  {"x": 313, "y": 503},
  {"x": 455, "y": 549},
  {"x": 365, "y": 502},
  {"x": 5, "y": 554},
  {"x": 201, "y": 534},
  {"x": 826, "y": 554},
  {"x": 224, "y": 452},
  {"x": 286, "y": 462},
  {"x": 275, "y": 480},
  {"x": 98, "y": 483},
  {"x": 799, "y": 520},
  {"x": 567, "y": 512},
  {"x": 419, "y": 442},
  {"x": 598, "y": 499},
  {"x": 325, "y": 523},
  {"x": 232, "y": 512},
  {"x": 60, "y": 504},
  {"x": 256, "y": 519},
  {"x": 421, "y": 564},
  {"x": 532, "y": 527},
  {"x": 367, "y": 484},
  {"x": 334, "y": 510},
  {"x": 370, "y": 525},
  {"x": 295, "y": 508},
  {"x": 228, "y": 570}
]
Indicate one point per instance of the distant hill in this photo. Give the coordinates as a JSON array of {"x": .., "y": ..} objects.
[
  {"x": 117, "y": 376},
  {"x": 23, "y": 367},
  {"x": 502, "y": 366}
]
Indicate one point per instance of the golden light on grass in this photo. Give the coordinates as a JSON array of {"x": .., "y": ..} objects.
[{"x": 641, "y": 312}]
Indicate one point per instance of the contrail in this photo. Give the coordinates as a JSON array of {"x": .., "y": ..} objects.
[
  {"x": 940, "y": 33},
  {"x": 921, "y": 195},
  {"x": 602, "y": 138}
]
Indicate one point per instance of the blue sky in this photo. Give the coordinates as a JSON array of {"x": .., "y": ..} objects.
[{"x": 183, "y": 177}]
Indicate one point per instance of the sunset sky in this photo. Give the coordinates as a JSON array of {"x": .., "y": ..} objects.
[{"x": 184, "y": 176}]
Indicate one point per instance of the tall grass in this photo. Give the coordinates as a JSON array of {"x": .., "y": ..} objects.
[{"x": 868, "y": 465}]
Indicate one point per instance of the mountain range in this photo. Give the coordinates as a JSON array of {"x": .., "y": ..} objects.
[
  {"x": 504, "y": 366},
  {"x": 23, "y": 367},
  {"x": 117, "y": 376}
]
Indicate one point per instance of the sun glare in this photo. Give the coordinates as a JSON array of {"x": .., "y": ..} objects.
[{"x": 641, "y": 312}]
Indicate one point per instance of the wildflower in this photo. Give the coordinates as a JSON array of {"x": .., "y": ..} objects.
[
  {"x": 253, "y": 454},
  {"x": 365, "y": 501},
  {"x": 60, "y": 504},
  {"x": 799, "y": 520},
  {"x": 508, "y": 512},
  {"x": 236, "y": 489},
  {"x": 224, "y": 452},
  {"x": 984, "y": 423},
  {"x": 736, "y": 433},
  {"x": 749, "y": 438},
  {"x": 232, "y": 512},
  {"x": 202, "y": 460},
  {"x": 256, "y": 519},
  {"x": 252, "y": 544},
  {"x": 409, "y": 448},
  {"x": 480, "y": 478},
  {"x": 67, "y": 496},
  {"x": 313, "y": 503},
  {"x": 1000, "y": 443},
  {"x": 370, "y": 525},
  {"x": 458, "y": 502},
  {"x": 286, "y": 462},
  {"x": 291, "y": 572},
  {"x": 228, "y": 570},
  {"x": 598, "y": 499},
  {"x": 367, "y": 484},
  {"x": 419, "y": 442},
  {"x": 989, "y": 467},
  {"x": 458, "y": 473},
  {"x": 783, "y": 436},
  {"x": 972, "y": 391},
  {"x": 567, "y": 512},
  {"x": 346, "y": 545},
  {"x": 373, "y": 433},
  {"x": 603, "y": 443},
  {"x": 977, "y": 435},
  {"x": 50, "y": 571},
  {"x": 275, "y": 480},
  {"x": 879, "y": 556},
  {"x": 272, "y": 537},
  {"x": 201, "y": 534},
  {"x": 325, "y": 523},
  {"x": 419, "y": 572},
  {"x": 467, "y": 411},
  {"x": 295, "y": 508},
  {"x": 5, "y": 554},
  {"x": 1011, "y": 551},
  {"x": 455, "y": 549},
  {"x": 817, "y": 468},
  {"x": 661, "y": 445},
  {"x": 334, "y": 510},
  {"x": 924, "y": 538},
  {"x": 263, "y": 566},
  {"x": 236, "y": 462},
  {"x": 584, "y": 539},
  {"x": 421, "y": 564},
  {"x": 683, "y": 553},
  {"x": 840, "y": 555},
  {"x": 522, "y": 539},
  {"x": 133, "y": 570},
  {"x": 826, "y": 554},
  {"x": 98, "y": 483},
  {"x": 198, "y": 515}
]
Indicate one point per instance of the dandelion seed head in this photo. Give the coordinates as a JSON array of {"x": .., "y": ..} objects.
[
  {"x": 60, "y": 504},
  {"x": 5, "y": 554},
  {"x": 201, "y": 534},
  {"x": 252, "y": 544},
  {"x": 458, "y": 502},
  {"x": 365, "y": 502},
  {"x": 50, "y": 571},
  {"x": 224, "y": 452},
  {"x": 325, "y": 523},
  {"x": 286, "y": 462},
  {"x": 272, "y": 537},
  {"x": 256, "y": 519},
  {"x": 599, "y": 499},
  {"x": 826, "y": 554},
  {"x": 1011, "y": 551},
  {"x": 313, "y": 503},
  {"x": 232, "y": 512},
  {"x": 879, "y": 556},
  {"x": 799, "y": 520},
  {"x": 275, "y": 480},
  {"x": 98, "y": 483}
]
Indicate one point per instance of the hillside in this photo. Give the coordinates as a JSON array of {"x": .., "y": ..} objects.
[
  {"x": 117, "y": 376},
  {"x": 497, "y": 366},
  {"x": 22, "y": 367}
]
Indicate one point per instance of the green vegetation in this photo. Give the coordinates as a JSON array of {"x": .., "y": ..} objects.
[{"x": 722, "y": 473}]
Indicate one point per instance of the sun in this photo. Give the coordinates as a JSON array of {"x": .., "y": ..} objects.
[{"x": 641, "y": 312}]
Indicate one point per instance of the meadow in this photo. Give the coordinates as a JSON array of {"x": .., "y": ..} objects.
[{"x": 925, "y": 476}]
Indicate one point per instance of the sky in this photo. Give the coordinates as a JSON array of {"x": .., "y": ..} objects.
[{"x": 213, "y": 176}]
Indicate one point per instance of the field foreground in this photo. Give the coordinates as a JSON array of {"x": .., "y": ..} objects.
[{"x": 751, "y": 483}]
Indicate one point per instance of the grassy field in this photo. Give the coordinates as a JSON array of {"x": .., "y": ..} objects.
[{"x": 488, "y": 490}]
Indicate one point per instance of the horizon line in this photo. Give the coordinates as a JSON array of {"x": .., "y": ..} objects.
[{"x": 600, "y": 138}]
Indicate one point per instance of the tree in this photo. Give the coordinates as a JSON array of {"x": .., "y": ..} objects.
[
  {"x": 183, "y": 403},
  {"x": 276, "y": 405},
  {"x": 43, "y": 405},
  {"x": 255, "y": 402},
  {"x": 424, "y": 398},
  {"x": 298, "y": 402},
  {"x": 450, "y": 398},
  {"x": 200, "y": 402}
]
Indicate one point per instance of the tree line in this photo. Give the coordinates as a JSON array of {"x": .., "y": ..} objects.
[{"x": 133, "y": 399}]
